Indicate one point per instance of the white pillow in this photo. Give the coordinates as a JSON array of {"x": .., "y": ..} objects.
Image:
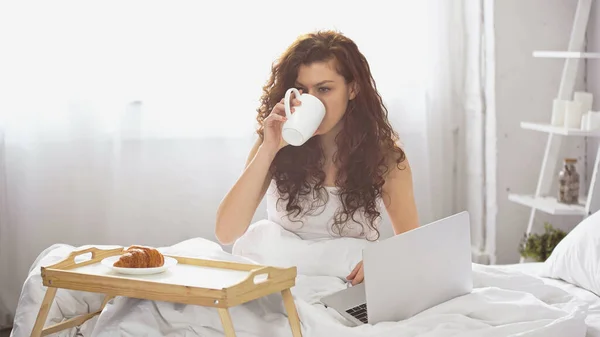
[{"x": 576, "y": 259}]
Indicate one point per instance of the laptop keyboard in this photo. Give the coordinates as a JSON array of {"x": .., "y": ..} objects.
[{"x": 359, "y": 312}]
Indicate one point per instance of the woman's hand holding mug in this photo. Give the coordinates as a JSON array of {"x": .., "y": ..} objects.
[
  {"x": 288, "y": 125},
  {"x": 273, "y": 125}
]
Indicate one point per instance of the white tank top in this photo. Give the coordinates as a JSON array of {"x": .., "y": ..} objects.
[{"x": 317, "y": 224}]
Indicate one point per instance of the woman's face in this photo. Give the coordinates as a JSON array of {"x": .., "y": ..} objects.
[{"x": 321, "y": 80}]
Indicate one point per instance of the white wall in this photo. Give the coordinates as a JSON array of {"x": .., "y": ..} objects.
[
  {"x": 593, "y": 70},
  {"x": 592, "y": 77},
  {"x": 525, "y": 87}
]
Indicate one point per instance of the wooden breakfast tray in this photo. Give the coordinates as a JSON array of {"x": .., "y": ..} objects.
[{"x": 195, "y": 281}]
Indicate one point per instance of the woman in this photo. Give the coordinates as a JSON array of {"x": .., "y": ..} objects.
[{"x": 334, "y": 184}]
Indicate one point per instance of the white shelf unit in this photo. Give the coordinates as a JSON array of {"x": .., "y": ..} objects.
[
  {"x": 549, "y": 204},
  {"x": 540, "y": 199},
  {"x": 565, "y": 54},
  {"x": 559, "y": 130}
]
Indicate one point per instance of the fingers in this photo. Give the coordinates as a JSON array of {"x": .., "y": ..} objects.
[
  {"x": 294, "y": 102},
  {"x": 279, "y": 109},
  {"x": 276, "y": 117},
  {"x": 359, "y": 277},
  {"x": 354, "y": 271},
  {"x": 352, "y": 274}
]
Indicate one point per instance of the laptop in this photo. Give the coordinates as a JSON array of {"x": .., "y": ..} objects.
[{"x": 410, "y": 272}]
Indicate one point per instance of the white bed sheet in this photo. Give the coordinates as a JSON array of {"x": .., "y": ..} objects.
[
  {"x": 503, "y": 302},
  {"x": 593, "y": 318}
]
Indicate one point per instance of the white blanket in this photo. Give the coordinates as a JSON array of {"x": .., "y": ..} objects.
[{"x": 502, "y": 303}]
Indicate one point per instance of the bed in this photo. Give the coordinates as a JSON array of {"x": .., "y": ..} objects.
[
  {"x": 536, "y": 269},
  {"x": 554, "y": 298}
]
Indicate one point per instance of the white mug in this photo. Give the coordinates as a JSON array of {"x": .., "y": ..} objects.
[{"x": 304, "y": 122}]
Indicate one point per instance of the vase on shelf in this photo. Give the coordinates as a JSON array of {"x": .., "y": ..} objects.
[{"x": 568, "y": 182}]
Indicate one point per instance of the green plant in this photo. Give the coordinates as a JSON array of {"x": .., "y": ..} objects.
[{"x": 540, "y": 246}]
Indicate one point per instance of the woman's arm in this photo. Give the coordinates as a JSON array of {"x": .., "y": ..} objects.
[
  {"x": 399, "y": 198},
  {"x": 400, "y": 204},
  {"x": 239, "y": 205}
]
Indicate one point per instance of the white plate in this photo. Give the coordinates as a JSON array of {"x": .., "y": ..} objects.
[{"x": 109, "y": 261}]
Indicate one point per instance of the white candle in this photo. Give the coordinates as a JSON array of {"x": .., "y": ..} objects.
[
  {"x": 559, "y": 107},
  {"x": 586, "y": 121},
  {"x": 594, "y": 117},
  {"x": 573, "y": 115},
  {"x": 585, "y": 98}
]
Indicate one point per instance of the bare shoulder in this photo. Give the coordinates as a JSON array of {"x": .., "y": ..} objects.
[
  {"x": 397, "y": 163},
  {"x": 398, "y": 176}
]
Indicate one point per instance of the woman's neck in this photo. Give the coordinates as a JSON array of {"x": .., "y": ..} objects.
[{"x": 328, "y": 143}]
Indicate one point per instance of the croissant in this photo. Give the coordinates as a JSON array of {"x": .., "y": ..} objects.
[
  {"x": 140, "y": 257},
  {"x": 156, "y": 258}
]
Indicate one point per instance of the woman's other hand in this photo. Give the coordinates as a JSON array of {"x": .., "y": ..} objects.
[{"x": 357, "y": 275}]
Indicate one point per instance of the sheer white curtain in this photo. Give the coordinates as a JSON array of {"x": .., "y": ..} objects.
[
  {"x": 126, "y": 122},
  {"x": 455, "y": 115}
]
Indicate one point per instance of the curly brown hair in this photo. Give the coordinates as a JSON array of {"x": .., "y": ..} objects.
[{"x": 366, "y": 144}]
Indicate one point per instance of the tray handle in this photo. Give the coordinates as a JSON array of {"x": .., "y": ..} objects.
[
  {"x": 97, "y": 256},
  {"x": 255, "y": 278}
]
